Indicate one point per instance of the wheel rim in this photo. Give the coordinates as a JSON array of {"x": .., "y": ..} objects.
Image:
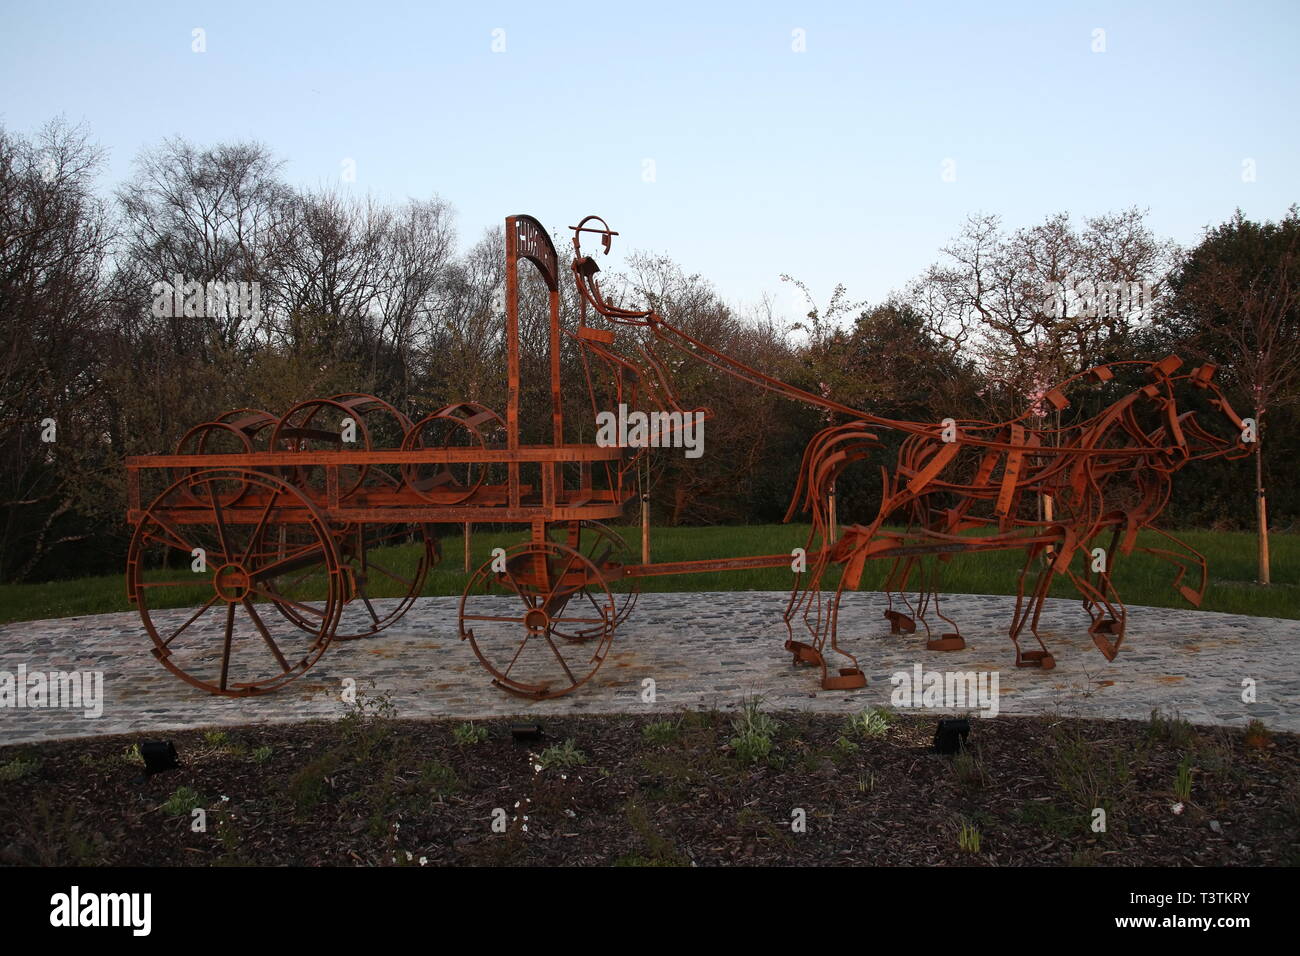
[
  {"x": 513, "y": 619},
  {"x": 213, "y": 438},
  {"x": 607, "y": 551},
  {"x": 467, "y": 425},
  {"x": 318, "y": 425},
  {"x": 231, "y": 644},
  {"x": 371, "y": 579}
]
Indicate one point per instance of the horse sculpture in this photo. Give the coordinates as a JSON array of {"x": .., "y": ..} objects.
[{"x": 963, "y": 486}]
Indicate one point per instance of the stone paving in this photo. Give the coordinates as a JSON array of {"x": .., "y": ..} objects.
[{"x": 705, "y": 649}]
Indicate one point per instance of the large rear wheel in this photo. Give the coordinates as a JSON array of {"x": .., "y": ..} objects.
[{"x": 207, "y": 535}]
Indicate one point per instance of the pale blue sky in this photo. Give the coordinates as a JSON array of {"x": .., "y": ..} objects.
[{"x": 825, "y": 164}]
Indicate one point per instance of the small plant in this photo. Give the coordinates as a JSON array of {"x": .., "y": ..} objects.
[
  {"x": 872, "y": 722},
  {"x": 754, "y": 731},
  {"x": 751, "y": 747},
  {"x": 375, "y": 707},
  {"x": 846, "y": 747},
  {"x": 563, "y": 756},
  {"x": 1183, "y": 782},
  {"x": 18, "y": 768},
  {"x": 183, "y": 802},
  {"x": 1049, "y": 817},
  {"x": 1089, "y": 774},
  {"x": 1257, "y": 735},
  {"x": 661, "y": 732},
  {"x": 968, "y": 838},
  {"x": 262, "y": 754},
  {"x": 969, "y": 769},
  {"x": 438, "y": 778},
  {"x": 660, "y": 849},
  {"x": 867, "y": 784},
  {"x": 1172, "y": 730},
  {"x": 468, "y": 734},
  {"x": 309, "y": 786},
  {"x": 216, "y": 738},
  {"x": 131, "y": 756}
]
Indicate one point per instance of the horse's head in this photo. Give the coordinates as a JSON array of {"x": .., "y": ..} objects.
[{"x": 1196, "y": 421}]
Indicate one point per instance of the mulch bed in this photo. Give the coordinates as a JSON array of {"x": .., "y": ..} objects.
[{"x": 371, "y": 789}]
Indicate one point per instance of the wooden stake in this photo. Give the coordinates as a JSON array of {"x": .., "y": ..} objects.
[
  {"x": 1261, "y": 512},
  {"x": 645, "y": 529},
  {"x": 830, "y": 496}
]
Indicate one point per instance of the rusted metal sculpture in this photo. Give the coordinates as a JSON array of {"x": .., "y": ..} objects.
[{"x": 280, "y": 525}]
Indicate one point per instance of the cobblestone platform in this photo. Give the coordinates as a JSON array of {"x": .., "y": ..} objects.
[{"x": 707, "y": 649}]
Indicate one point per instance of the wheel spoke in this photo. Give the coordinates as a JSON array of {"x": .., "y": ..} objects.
[
  {"x": 177, "y": 539},
  {"x": 371, "y": 562},
  {"x": 298, "y": 580},
  {"x": 261, "y": 523},
  {"x": 559, "y": 579},
  {"x": 220, "y": 522},
  {"x": 194, "y": 617},
  {"x": 529, "y": 602},
  {"x": 266, "y": 635},
  {"x": 281, "y": 599},
  {"x": 560, "y": 657},
  {"x": 602, "y": 611},
  {"x": 519, "y": 650},
  {"x": 225, "y": 653},
  {"x": 288, "y": 563}
]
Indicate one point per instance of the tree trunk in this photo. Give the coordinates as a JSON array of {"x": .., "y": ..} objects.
[{"x": 1261, "y": 504}]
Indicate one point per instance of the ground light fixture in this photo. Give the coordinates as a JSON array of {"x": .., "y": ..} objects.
[
  {"x": 158, "y": 755},
  {"x": 525, "y": 732},
  {"x": 951, "y": 734}
]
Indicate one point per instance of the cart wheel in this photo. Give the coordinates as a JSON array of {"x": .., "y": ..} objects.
[
  {"x": 376, "y": 573},
  {"x": 512, "y": 618},
  {"x": 464, "y": 425},
  {"x": 194, "y": 539},
  {"x": 605, "y": 548},
  {"x": 215, "y": 437}
]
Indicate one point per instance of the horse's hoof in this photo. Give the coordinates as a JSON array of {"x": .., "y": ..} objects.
[
  {"x": 949, "y": 642},
  {"x": 1040, "y": 659}
]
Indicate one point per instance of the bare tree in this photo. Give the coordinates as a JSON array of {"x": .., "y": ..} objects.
[{"x": 54, "y": 237}]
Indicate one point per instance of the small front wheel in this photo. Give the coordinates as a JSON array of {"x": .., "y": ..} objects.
[{"x": 518, "y": 607}]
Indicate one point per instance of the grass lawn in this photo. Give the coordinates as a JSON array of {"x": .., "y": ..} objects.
[{"x": 1141, "y": 579}]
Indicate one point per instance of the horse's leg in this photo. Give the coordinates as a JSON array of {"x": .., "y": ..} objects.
[
  {"x": 821, "y": 619},
  {"x": 900, "y": 622},
  {"x": 850, "y": 676},
  {"x": 1189, "y": 560},
  {"x": 1102, "y": 601},
  {"x": 948, "y": 640},
  {"x": 806, "y": 603},
  {"x": 1027, "y": 612}
]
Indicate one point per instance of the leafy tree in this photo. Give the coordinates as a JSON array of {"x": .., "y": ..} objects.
[{"x": 1235, "y": 299}]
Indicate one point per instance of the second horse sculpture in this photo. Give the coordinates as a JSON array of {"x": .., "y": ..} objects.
[{"x": 1072, "y": 499}]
